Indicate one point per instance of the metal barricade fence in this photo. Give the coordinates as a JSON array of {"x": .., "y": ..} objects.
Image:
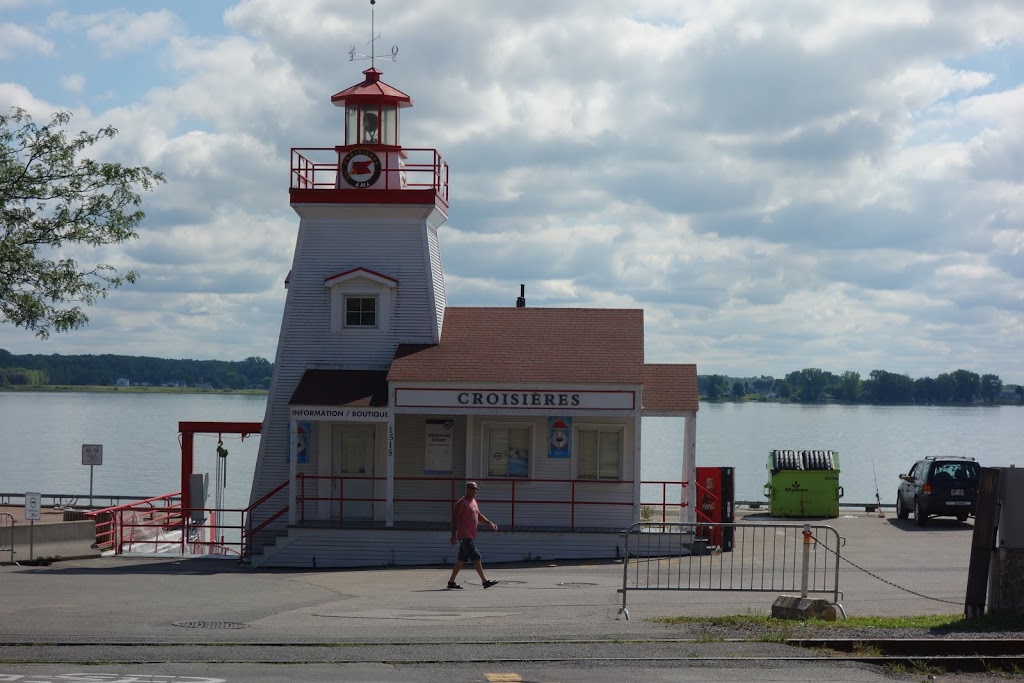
[
  {"x": 7, "y": 534},
  {"x": 669, "y": 556}
]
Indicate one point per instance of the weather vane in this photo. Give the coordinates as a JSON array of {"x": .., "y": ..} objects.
[{"x": 353, "y": 55}]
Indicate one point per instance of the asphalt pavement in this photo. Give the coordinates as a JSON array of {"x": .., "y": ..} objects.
[{"x": 173, "y": 616}]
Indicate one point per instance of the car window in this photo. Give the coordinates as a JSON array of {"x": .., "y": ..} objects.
[{"x": 965, "y": 473}]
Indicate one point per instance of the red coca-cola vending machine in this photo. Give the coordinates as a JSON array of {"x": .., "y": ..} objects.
[{"x": 716, "y": 498}]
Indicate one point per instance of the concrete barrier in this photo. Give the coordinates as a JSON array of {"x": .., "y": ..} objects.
[{"x": 63, "y": 540}]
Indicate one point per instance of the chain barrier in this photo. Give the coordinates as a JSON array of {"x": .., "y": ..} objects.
[{"x": 887, "y": 581}]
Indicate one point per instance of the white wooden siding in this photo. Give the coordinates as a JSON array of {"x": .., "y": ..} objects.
[
  {"x": 332, "y": 240},
  {"x": 437, "y": 273}
]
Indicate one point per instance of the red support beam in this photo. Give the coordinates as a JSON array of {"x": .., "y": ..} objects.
[{"x": 188, "y": 431}]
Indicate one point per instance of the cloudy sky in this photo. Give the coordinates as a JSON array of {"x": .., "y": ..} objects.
[{"x": 778, "y": 184}]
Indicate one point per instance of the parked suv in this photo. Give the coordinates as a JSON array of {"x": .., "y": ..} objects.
[{"x": 946, "y": 486}]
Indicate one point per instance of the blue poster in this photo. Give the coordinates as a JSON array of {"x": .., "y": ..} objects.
[
  {"x": 305, "y": 430},
  {"x": 518, "y": 462},
  {"x": 559, "y": 437}
]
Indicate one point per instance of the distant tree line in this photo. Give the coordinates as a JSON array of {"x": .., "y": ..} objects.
[
  {"x": 108, "y": 370},
  {"x": 813, "y": 385}
]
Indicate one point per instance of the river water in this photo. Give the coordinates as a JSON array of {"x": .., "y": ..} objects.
[{"x": 41, "y": 437}]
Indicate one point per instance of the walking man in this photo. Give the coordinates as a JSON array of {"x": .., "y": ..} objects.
[{"x": 466, "y": 516}]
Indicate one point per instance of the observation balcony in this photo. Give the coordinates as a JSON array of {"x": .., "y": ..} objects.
[{"x": 371, "y": 174}]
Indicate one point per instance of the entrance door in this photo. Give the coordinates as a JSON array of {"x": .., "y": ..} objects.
[{"x": 352, "y": 450}]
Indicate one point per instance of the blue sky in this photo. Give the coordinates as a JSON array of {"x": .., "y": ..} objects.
[{"x": 779, "y": 185}]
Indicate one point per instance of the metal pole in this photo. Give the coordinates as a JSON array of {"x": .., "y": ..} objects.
[
  {"x": 91, "y": 468},
  {"x": 31, "y": 539},
  {"x": 806, "y": 560}
]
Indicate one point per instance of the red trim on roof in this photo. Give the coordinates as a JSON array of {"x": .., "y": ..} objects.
[
  {"x": 372, "y": 89},
  {"x": 361, "y": 269},
  {"x": 368, "y": 196}
]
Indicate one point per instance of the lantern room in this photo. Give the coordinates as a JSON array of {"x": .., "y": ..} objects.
[{"x": 371, "y": 111}]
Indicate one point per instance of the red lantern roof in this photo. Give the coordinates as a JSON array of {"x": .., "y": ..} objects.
[{"x": 372, "y": 90}]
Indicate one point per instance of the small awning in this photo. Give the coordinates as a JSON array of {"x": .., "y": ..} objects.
[{"x": 342, "y": 388}]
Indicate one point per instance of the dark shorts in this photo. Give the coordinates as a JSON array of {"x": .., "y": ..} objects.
[{"x": 468, "y": 551}]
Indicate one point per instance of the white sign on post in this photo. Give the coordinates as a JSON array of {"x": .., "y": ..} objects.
[
  {"x": 33, "y": 505},
  {"x": 92, "y": 454}
]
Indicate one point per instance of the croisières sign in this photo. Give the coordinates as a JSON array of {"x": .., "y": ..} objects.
[{"x": 514, "y": 399}]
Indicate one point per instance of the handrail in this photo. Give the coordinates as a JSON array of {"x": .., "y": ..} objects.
[
  {"x": 61, "y": 500},
  {"x": 248, "y": 530},
  {"x": 110, "y": 521},
  {"x": 418, "y": 168},
  {"x": 512, "y": 498},
  {"x": 9, "y": 524}
]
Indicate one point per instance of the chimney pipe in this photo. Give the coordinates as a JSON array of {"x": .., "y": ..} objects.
[{"x": 521, "y": 301}]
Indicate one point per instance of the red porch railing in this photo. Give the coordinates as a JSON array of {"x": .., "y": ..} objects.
[
  {"x": 415, "y": 169},
  {"x": 161, "y": 524},
  {"x": 120, "y": 524}
]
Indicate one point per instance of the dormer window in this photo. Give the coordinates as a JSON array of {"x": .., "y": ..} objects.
[
  {"x": 360, "y": 311},
  {"x": 361, "y": 299}
]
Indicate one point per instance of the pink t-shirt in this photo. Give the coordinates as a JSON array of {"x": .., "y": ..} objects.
[{"x": 468, "y": 519}]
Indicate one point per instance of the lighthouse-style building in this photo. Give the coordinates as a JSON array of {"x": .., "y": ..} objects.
[{"x": 385, "y": 400}]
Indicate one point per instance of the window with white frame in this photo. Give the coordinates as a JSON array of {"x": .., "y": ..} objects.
[
  {"x": 599, "y": 453},
  {"x": 361, "y": 299},
  {"x": 360, "y": 311},
  {"x": 508, "y": 450}
]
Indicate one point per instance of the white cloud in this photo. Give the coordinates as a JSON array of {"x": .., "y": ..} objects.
[
  {"x": 15, "y": 39},
  {"x": 120, "y": 31},
  {"x": 779, "y": 185},
  {"x": 73, "y": 83}
]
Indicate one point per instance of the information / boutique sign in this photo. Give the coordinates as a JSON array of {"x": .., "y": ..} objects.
[
  {"x": 338, "y": 414},
  {"x": 514, "y": 399}
]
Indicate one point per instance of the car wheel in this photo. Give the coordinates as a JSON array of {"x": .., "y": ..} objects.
[
  {"x": 920, "y": 518},
  {"x": 962, "y": 517},
  {"x": 901, "y": 510}
]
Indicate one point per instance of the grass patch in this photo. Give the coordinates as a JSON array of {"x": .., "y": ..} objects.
[{"x": 934, "y": 622}]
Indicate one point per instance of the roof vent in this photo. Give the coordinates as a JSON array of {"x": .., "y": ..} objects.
[{"x": 521, "y": 301}]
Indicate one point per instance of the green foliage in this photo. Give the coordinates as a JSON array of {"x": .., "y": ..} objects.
[
  {"x": 53, "y": 199},
  {"x": 22, "y": 377},
  {"x": 812, "y": 385},
  {"x": 105, "y": 370}
]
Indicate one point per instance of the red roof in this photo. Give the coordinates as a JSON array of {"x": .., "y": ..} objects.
[
  {"x": 373, "y": 90},
  {"x": 670, "y": 387},
  {"x": 576, "y": 345}
]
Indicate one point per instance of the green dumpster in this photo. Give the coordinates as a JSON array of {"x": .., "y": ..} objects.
[{"x": 803, "y": 483}]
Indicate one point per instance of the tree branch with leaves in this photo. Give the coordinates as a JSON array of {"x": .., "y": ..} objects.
[{"x": 50, "y": 198}]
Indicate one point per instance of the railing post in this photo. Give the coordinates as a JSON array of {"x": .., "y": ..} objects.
[
  {"x": 572, "y": 504},
  {"x": 664, "y": 501},
  {"x": 804, "y": 568}
]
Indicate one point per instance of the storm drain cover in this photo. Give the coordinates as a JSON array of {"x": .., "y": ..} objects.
[
  {"x": 577, "y": 584},
  {"x": 210, "y": 624}
]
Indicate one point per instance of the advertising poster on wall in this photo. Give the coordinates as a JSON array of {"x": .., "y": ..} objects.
[
  {"x": 518, "y": 462},
  {"x": 559, "y": 437},
  {"x": 438, "y": 447},
  {"x": 305, "y": 430}
]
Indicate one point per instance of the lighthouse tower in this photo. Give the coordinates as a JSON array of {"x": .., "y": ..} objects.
[{"x": 365, "y": 277}]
